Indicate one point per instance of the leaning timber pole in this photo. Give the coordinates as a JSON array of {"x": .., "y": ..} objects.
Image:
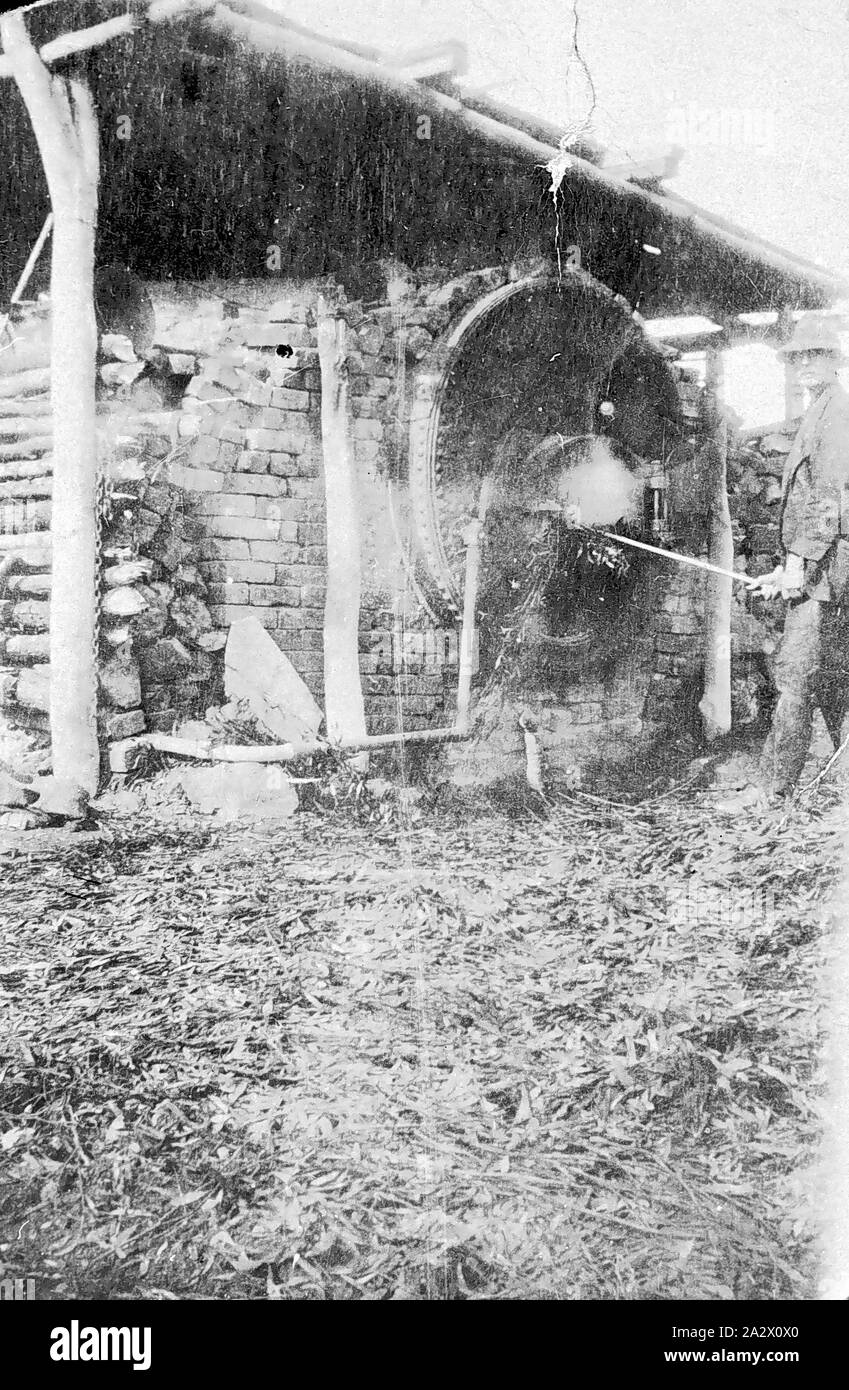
[
  {"x": 715, "y": 704},
  {"x": 65, "y": 128},
  {"x": 343, "y": 693}
]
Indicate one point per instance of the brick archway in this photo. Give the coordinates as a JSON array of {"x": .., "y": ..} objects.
[{"x": 428, "y": 395}]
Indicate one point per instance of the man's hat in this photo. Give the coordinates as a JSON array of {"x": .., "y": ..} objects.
[{"x": 812, "y": 333}]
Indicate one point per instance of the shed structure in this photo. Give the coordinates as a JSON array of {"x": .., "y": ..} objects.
[{"x": 492, "y": 293}]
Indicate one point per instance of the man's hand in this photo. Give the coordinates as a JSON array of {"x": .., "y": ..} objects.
[
  {"x": 794, "y": 576},
  {"x": 787, "y": 580},
  {"x": 769, "y": 585}
]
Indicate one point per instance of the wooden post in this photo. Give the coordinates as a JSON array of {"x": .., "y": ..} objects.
[
  {"x": 343, "y": 695},
  {"x": 715, "y": 704},
  {"x": 472, "y": 536},
  {"x": 65, "y": 128}
]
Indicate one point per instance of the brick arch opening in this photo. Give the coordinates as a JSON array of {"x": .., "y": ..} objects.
[
  {"x": 593, "y": 709},
  {"x": 428, "y": 398}
]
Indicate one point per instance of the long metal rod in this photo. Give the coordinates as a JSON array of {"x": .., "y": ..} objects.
[{"x": 672, "y": 555}]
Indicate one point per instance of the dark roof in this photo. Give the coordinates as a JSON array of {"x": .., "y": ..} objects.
[{"x": 233, "y": 148}]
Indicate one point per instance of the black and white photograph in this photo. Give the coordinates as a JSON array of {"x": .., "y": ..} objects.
[{"x": 424, "y": 662}]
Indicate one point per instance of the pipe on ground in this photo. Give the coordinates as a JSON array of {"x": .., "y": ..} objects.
[{"x": 284, "y": 752}]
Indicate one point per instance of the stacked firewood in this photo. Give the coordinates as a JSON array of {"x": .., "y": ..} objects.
[
  {"x": 156, "y": 632},
  {"x": 26, "y": 442},
  {"x": 157, "y": 640}
]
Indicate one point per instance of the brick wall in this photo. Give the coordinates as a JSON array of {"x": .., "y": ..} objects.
[
  {"x": 251, "y": 474},
  {"x": 678, "y": 592},
  {"x": 216, "y": 480},
  {"x": 252, "y": 479}
]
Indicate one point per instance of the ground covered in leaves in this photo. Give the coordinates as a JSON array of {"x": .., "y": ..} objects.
[{"x": 569, "y": 1056}]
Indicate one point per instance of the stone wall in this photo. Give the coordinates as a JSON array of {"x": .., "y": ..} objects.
[
  {"x": 755, "y": 498},
  {"x": 755, "y": 504}
]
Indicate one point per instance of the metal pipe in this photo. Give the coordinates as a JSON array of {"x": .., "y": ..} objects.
[
  {"x": 673, "y": 555},
  {"x": 284, "y": 752}
]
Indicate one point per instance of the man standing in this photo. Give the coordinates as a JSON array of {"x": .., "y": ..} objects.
[{"x": 812, "y": 667}]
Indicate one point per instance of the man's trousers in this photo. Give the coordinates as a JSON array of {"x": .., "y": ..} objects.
[{"x": 812, "y": 669}]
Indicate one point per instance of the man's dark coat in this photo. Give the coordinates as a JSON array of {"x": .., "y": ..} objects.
[{"x": 814, "y": 519}]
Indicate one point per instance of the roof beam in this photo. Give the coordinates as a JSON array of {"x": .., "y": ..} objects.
[
  {"x": 663, "y": 164},
  {"x": 764, "y": 249},
  {"x": 254, "y": 9},
  {"x": 83, "y": 40},
  {"x": 80, "y": 41},
  {"x": 447, "y": 59},
  {"x": 537, "y": 126}
]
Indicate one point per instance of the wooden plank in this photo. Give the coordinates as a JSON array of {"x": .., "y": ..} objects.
[
  {"x": 24, "y": 406},
  {"x": 8, "y": 682},
  {"x": 97, "y": 35},
  {"x": 33, "y": 688},
  {"x": 28, "y": 646},
  {"x": 23, "y": 427},
  {"x": 31, "y": 616},
  {"x": 24, "y": 383},
  {"x": 27, "y": 449},
  {"x": 26, "y": 468},
  {"x": 29, "y": 584},
  {"x": 36, "y": 560},
  {"x": 34, "y": 721},
  {"x": 21, "y": 516},
  {"x": 24, "y": 349},
  {"x": 27, "y": 487},
  {"x": 23, "y": 541},
  {"x": 81, "y": 41}
]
